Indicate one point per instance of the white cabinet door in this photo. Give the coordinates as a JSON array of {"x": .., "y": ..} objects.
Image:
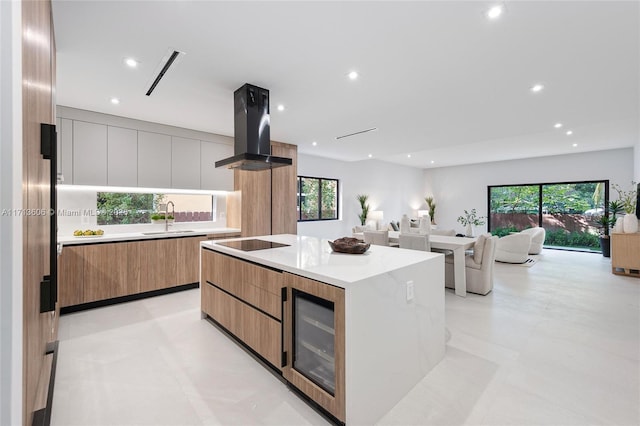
[
  {"x": 185, "y": 163},
  {"x": 122, "y": 156},
  {"x": 89, "y": 153},
  {"x": 154, "y": 160},
  {"x": 211, "y": 177}
]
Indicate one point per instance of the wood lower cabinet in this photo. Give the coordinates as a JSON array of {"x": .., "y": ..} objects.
[
  {"x": 71, "y": 276},
  {"x": 110, "y": 270},
  {"x": 188, "y": 259},
  {"x": 625, "y": 254},
  {"x": 158, "y": 267},
  {"x": 246, "y": 300}
]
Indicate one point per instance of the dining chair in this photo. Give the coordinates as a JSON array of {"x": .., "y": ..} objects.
[
  {"x": 379, "y": 238},
  {"x": 478, "y": 266},
  {"x": 415, "y": 242}
]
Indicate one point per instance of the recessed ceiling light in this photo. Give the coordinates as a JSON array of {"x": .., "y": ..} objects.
[
  {"x": 574, "y": 145},
  {"x": 536, "y": 88},
  {"x": 495, "y": 11},
  {"x": 132, "y": 63},
  {"x": 314, "y": 143},
  {"x": 557, "y": 125},
  {"x": 432, "y": 161},
  {"x": 569, "y": 132},
  {"x": 280, "y": 107},
  {"x": 370, "y": 155},
  {"x": 115, "y": 101},
  {"x": 408, "y": 155},
  {"x": 353, "y": 75}
]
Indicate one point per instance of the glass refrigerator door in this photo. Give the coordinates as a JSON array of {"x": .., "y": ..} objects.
[{"x": 314, "y": 339}]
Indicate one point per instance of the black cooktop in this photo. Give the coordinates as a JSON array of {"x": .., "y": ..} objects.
[{"x": 253, "y": 244}]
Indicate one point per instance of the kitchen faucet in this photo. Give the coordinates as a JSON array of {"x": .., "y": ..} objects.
[{"x": 166, "y": 214}]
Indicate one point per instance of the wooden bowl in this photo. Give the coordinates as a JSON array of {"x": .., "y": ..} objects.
[{"x": 349, "y": 245}]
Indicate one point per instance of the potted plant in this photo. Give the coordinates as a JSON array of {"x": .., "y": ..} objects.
[
  {"x": 159, "y": 218},
  {"x": 615, "y": 208},
  {"x": 469, "y": 219},
  {"x": 628, "y": 201},
  {"x": 605, "y": 223},
  {"x": 432, "y": 208},
  {"x": 362, "y": 199}
]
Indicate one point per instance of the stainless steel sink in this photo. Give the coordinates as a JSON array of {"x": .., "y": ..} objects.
[{"x": 181, "y": 231}]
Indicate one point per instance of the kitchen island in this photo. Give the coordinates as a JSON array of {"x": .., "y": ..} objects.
[{"x": 354, "y": 333}]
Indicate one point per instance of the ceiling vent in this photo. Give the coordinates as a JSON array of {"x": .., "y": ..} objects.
[
  {"x": 357, "y": 133},
  {"x": 172, "y": 57}
]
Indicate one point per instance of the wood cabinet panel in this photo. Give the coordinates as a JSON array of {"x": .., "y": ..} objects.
[
  {"x": 158, "y": 259},
  {"x": 154, "y": 160},
  {"x": 89, "y": 153},
  {"x": 185, "y": 163},
  {"x": 255, "y": 193},
  {"x": 70, "y": 276},
  {"x": 335, "y": 404},
  {"x": 260, "y": 287},
  {"x": 284, "y": 214},
  {"x": 625, "y": 257},
  {"x": 258, "y": 331},
  {"x": 111, "y": 270},
  {"x": 122, "y": 156},
  {"x": 212, "y": 177},
  {"x": 188, "y": 260}
]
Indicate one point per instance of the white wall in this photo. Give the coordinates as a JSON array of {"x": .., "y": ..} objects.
[
  {"x": 10, "y": 225},
  {"x": 394, "y": 189},
  {"x": 636, "y": 162},
  {"x": 465, "y": 187}
]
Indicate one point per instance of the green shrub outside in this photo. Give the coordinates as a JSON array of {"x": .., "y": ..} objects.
[{"x": 559, "y": 237}]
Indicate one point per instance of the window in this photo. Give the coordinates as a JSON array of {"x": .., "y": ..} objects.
[
  {"x": 317, "y": 199},
  {"x": 116, "y": 208},
  {"x": 568, "y": 211}
]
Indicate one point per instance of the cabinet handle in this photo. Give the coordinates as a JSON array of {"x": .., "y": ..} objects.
[{"x": 283, "y": 298}]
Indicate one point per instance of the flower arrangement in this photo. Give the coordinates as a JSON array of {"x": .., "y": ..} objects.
[
  {"x": 471, "y": 218},
  {"x": 627, "y": 198}
]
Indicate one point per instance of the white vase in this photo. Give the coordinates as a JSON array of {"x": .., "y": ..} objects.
[
  {"x": 630, "y": 223},
  {"x": 619, "y": 226},
  {"x": 469, "y": 232}
]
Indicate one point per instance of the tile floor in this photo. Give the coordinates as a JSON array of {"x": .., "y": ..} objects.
[{"x": 554, "y": 344}]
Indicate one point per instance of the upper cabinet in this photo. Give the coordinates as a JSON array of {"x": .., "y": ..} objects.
[
  {"x": 185, "y": 163},
  {"x": 154, "y": 160},
  {"x": 116, "y": 153},
  {"x": 89, "y": 153},
  {"x": 212, "y": 177},
  {"x": 122, "y": 156}
]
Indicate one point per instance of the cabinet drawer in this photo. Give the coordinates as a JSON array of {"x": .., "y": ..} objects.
[
  {"x": 258, "y": 331},
  {"x": 260, "y": 287}
]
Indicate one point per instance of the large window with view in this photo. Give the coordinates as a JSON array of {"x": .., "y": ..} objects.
[
  {"x": 568, "y": 211},
  {"x": 317, "y": 198}
]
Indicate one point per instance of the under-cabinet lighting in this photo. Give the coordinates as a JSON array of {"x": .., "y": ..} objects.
[{"x": 138, "y": 190}]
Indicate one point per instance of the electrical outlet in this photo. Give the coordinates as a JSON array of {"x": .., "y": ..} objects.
[{"x": 409, "y": 291}]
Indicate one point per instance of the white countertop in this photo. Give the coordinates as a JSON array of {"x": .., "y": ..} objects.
[
  {"x": 313, "y": 258},
  {"x": 152, "y": 234}
]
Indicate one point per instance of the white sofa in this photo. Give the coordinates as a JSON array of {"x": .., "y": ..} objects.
[{"x": 537, "y": 239}]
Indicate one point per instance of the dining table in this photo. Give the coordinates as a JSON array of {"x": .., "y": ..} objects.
[{"x": 457, "y": 245}]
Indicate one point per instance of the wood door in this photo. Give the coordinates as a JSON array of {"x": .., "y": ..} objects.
[
  {"x": 284, "y": 213},
  {"x": 335, "y": 404},
  {"x": 188, "y": 260},
  {"x": 158, "y": 261},
  {"x": 71, "y": 276},
  {"x": 38, "y": 86},
  {"x": 111, "y": 270}
]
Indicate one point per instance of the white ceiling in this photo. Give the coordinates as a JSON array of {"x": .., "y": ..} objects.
[{"x": 439, "y": 80}]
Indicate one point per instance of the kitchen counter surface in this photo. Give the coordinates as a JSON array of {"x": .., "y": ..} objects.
[
  {"x": 313, "y": 258},
  {"x": 150, "y": 235}
]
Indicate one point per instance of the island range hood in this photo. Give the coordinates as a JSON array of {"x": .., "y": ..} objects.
[{"x": 252, "y": 138}]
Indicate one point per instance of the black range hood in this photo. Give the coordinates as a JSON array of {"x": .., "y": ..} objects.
[{"x": 252, "y": 139}]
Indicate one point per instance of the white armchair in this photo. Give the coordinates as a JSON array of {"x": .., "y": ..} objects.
[
  {"x": 513, "y": 248},
  {"x": 537, "y": 239}
]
